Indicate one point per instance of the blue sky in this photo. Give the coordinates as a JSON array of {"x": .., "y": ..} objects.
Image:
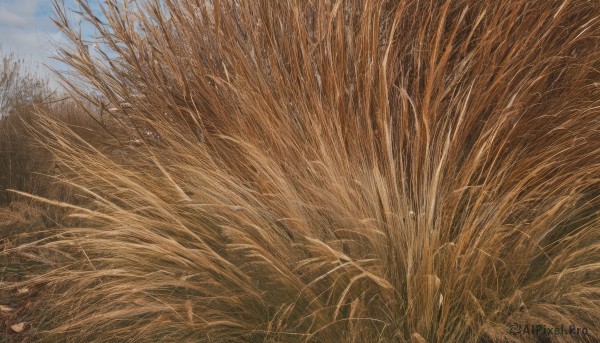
[{"x": 26, "y": 29}]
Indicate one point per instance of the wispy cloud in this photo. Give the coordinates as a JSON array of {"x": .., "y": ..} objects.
[
  {"x": 7, "y": 17},
  {"x": 27, "y": 30}
]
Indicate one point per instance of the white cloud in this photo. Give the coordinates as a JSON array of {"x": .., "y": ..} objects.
[
  {"x": 10, "y": 18},
  {"x": 26, "y": 29}
]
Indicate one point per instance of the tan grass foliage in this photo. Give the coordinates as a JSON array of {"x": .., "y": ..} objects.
[{"x": 326, "y": 171}]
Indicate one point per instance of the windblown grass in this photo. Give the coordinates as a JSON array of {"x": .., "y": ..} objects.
[{"x": 326, "y": 171}]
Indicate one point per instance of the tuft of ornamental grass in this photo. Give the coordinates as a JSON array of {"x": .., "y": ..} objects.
[{"x": 327, "y": 171}]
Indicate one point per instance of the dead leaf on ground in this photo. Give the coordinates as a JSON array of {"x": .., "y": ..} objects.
[
  {"x": 4, "y": 308},
  {"x": 417, "y": 338},
  {"x": 18, "y": 327},
  {"x": 22, "y": 290}
]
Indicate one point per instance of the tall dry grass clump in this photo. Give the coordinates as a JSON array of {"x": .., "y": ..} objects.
[{"x": 326, "y": 171}]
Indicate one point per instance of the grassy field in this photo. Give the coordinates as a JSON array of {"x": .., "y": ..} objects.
[{"x": 318, "y": 171}]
